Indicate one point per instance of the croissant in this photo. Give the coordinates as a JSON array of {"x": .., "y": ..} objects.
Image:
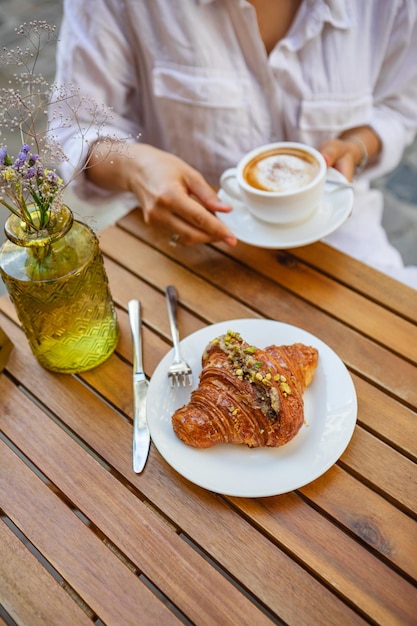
[{"x": 247, "y": 395}]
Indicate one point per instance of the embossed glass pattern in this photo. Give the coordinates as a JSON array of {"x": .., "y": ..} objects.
[{"x": 59, "y": 287}]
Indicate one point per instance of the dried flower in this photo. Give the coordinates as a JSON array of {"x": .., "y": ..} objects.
[{"x": 30, "y": 179}]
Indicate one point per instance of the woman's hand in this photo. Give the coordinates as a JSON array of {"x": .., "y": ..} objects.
[
  {"x": 352, "y": 148},
  {"x": 171, "y": 193}
]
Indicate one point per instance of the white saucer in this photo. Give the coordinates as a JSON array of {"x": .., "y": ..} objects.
[{"x": 335, "y": 208}]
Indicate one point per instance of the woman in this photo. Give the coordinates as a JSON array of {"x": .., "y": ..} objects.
[{"x": 201, "y": 82}]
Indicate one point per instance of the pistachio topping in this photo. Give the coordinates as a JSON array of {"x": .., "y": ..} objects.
[
  {"x": 242, "y": 363},
  {"x": 285, "y": 388}
]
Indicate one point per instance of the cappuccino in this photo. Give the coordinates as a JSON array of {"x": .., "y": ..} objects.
[
  {"x": 280, "y": 183},
  {"x": 281, "y": 170}
]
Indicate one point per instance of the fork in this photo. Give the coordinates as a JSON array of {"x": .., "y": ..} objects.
[{"x": 179, "y": 372}]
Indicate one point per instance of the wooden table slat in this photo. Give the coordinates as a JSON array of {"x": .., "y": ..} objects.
[
  {"x": 321, "y": 547},
  {"x": 373, "y": 284},
  {"x": 112, "y": 591},
  {"x": 374, "y": 460},
  {"x": 367, "y": 515},
  {"x": 387, "y": 418},
  {"x": 38, "y": 599}
]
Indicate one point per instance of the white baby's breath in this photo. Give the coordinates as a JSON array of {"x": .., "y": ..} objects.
[{"x": 35, "y": 109}]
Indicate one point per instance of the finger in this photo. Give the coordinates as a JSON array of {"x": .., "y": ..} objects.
[
  {"x": 345, "y": 166},
  {"x": 338, "y": 155},
  {"x": 189, "y": 219},
  {"x": 332, "y": 151},
  {"x": 200, "y": 225},
  {"x": 199, "y": 187},
  {"x": 188, "y": 235}
]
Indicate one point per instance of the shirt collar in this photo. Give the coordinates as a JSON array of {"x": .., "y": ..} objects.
[
  {"x": 335, "y": 12},
  {"x": 337, "y": 9},
  {"x": 311, "y": 18}
]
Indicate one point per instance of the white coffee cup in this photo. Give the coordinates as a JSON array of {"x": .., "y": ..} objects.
[{"x": 279, "y": 182}]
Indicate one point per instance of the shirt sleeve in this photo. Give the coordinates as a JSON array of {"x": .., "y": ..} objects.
[
  {"x": 394, "y": 115},
  {"x": 95, "y": 83}
]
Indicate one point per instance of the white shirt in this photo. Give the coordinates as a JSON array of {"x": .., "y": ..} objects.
[{"x": 192, "y": 76}]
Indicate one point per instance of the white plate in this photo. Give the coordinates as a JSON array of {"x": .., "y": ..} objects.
[
  {"x": 330, "y": 409},
  {"x": 334, "y": 210}
]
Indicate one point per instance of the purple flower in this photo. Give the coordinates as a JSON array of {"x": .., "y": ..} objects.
[
  {"x": 21, "y": 157},
  {"x": 33, "y": 158},
  {"x": 30, "y": 173},
  {"x": 51, "y": 177},
  {"x": 3, "y": 154},
  {"x": 39, "y": 170},
  {"x": 19, "y": 162}
]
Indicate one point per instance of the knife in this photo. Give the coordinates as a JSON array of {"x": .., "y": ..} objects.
[{"x": 141, "y": 436}]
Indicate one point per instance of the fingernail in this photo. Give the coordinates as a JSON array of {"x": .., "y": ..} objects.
[
  {"x": 224, "y": 205},
  {"x": 231, "y": 241}
]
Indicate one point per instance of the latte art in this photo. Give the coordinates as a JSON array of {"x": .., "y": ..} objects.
[{"x": 281, "y": 172}]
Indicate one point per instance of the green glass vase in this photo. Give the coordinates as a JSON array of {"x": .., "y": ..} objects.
[{"x": 58, "y": 284}]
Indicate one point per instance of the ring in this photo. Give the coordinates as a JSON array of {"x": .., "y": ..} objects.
[{"x": 174, "y": 240}]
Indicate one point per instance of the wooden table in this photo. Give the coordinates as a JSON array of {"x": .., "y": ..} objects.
[{"x": 85, "y": 540}]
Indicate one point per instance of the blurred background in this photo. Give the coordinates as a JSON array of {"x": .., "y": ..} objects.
[{"x": 399, "y": 187}]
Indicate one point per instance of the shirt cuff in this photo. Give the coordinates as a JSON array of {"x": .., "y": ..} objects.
[{"x": 394, "y": 139}]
